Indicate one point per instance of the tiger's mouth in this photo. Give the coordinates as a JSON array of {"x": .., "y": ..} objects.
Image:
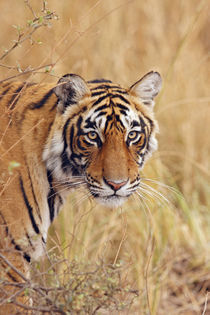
[{"x": 111, "y": 198}]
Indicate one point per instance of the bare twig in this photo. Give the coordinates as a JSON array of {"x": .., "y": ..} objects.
[
  {"x": 13, "y": 267},
  {"x": 28, "y": 71},
  {"x": 31, "y": 28},
  {"x": 39, "y": 308},
  {"x": 206, "y": 303},
  {"x": 12, "y": 297}
]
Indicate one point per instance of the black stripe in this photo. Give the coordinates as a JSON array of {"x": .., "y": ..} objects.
[
  {"x": 100, "y": 108},
  {"x": 123, "y": 112},
  {"x": 73, "y": 154},
  {"x": 65, "y": 163},
  {"x": 142, "y": 145},
  {"x": 105, "y": 87},
  {"x": 142, "y": 122},
  {"x": 117, "y": 117},
  {"x": 15, "y": 97},
  {"x": 121, "y": 97},
  {"x": 25, "y": 255},
  {"x": 29, "y": 240},
  {"x": 80, "y": 145},
  {"x": 4, "y": 92},
  {"x": 108, "y": 119},
  {"x": 101, "y": 114},
  {"x": 119, "y": 91},
  {"x": 64, "y": 133},
  {"x": 98, "y": 93},
  {"x": 79, "y": 122},
  {"x": 54, "y": 106},
  {"x": 17, "y": 247},
  {"x": 11, "y": 277},
  {"x": 89, "y": 123},
  {"x": 5, "y": 223},
  {"x": 99, "y": 81},
  {"x": 100, "y": 99},
  {"x": 122, "y": 106},
  {"x": 30, "y": 209},
  {"x": 150, "y": 122},
  {"x": 41, "y": 102},
  {"x": 71, "y": 137},
  {"x": 135, "y": 123},
  {"x": 51, "y": 196},
  {"x": 88, "y": 143},
  {"x": 34, "y": 196},
  {"x": 49, "y": 127},
  {"x": 8, "y": 273},
  {"x": 75, "y": 168}
]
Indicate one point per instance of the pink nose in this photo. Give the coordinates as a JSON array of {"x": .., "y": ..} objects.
[{"x": 116, "y": 185}]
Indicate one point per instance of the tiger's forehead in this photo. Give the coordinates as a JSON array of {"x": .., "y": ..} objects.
[
  {"x": 102, "y": 86},
  {"x": 110, "y": 104}
]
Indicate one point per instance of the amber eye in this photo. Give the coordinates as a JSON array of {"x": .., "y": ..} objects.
[
  {"x": 92, "y": 135},
  {"x": 133, "y": 135}
]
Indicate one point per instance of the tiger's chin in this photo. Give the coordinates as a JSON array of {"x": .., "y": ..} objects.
[{"x": 111, "y": 201}]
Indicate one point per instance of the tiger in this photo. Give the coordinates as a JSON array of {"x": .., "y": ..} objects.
[{"x": 57, "y": 137}]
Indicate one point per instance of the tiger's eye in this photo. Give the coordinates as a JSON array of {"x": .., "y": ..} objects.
[
  {"x": 133, "y": 135},
  {"x": 92, "y": 135}
]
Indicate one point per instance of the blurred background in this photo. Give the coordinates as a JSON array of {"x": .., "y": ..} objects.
[{"x": 164, "y": 238}]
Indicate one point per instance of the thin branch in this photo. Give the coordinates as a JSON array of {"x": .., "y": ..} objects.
[
  {"x": 11, "y": 297},
  {"x": 30, "y": 8},
  {"x": 13, "y": 268},
  {"x": 39, "y": 308},
  {"x": 8, "y": 67},
  {"x": 32, "y": 27},
  {"x": 206, "y": 303},
  {"x": 27, "y": 71}
]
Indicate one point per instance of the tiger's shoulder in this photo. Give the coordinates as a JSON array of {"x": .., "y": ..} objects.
[{"x": 31, "y": 95}]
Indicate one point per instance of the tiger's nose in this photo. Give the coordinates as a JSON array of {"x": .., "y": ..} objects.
[{"x": 115, "y": 185}]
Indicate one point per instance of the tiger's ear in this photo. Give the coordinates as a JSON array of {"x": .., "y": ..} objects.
[
  {"x": 147, "y": 87},
  {"x": 70, "y": 89}
]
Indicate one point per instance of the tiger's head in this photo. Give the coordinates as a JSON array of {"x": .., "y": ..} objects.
[{"x": 102, "y": 135}]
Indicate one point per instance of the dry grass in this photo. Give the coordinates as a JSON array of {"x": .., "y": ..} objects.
[{"x": 166, "y": 244}]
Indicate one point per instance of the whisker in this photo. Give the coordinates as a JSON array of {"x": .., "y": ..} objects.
[
  {"x": 83, "y": 198},
  {"x": 71, "y": 178},
  {"x": 160, "y": 196},
  {"x": 66, "y": 188},
  {"x": 150, "y": 194},
  {"x": 170, "y": 188},
  {"x": 145, "y": 206},
  {"x": 70, "y": 184},
  {"x": 143, "y": 197}
]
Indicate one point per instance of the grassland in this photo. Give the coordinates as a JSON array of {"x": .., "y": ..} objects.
[{"x": 163, "y": 239}]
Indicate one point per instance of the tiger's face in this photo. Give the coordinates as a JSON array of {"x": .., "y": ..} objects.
[{"x": 105, "y": 133}]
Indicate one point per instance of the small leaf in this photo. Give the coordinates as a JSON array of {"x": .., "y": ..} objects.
[
  {"x": 39, "y": 41},
  {"x": 41, "y": 19},
  {"x": 26, "y": 292},
  {"x": 29, "y": 22},
  {"x": 12, "y": 166}
]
